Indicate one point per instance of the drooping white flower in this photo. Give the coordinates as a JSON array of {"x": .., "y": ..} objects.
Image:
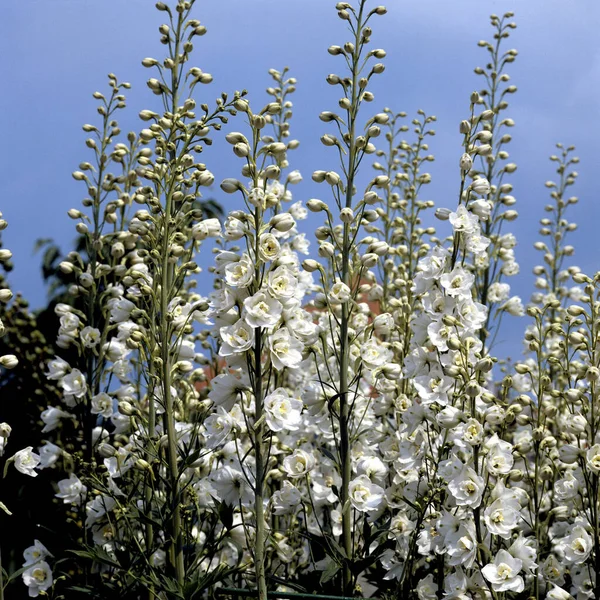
[
  {"x": 49, "y": 454},
  {"x": 71, "y": 490},
  {"x": 282, "y": 411},
  {"x": 503, "y": 573},
  {"x": 26, "y": 461},
  {"x": 51, "y": 418}
]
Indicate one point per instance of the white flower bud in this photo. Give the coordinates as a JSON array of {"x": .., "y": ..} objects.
[{"x": 9, "y": 361}]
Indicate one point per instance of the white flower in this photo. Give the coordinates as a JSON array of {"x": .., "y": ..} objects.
[
  {"x": 593, "y": 458},
  {"x": 90, "y": 336},
  {"x": 299, "y": 463},
  {"x": 463, "y": 221},
  {"x": 225, "y": 390},
  {"x": 262, "y": 310},
  {"x": 374, "y": 354},
  {"x": 298, "y": 211},
  {"x": 231, "y": 486},
  {"x": 282, "y": 283},
  {"x": 339, "y": 293},
  {"x": 206, "y": 228},
  {"x": 268, "y": 247},
  {"x": 286, "y": 350},
  {"x": 498, "y": 292},
  {"x": 467, "y": 488},
  {"x": 462, "y": 544},
  {"x": 503, "y": 573},
  {"x": 71, "y": 490},
  {"x": 240, "y": 273},
  {"x": 558, "y": 593},
  {"x": 567, "y": 487},
  {"x": 57, "y": 369},
  {"x": 49, "y": 454},
  {"x": 501, "y": 517},
  {"x": 364, "y": 495},
  {"x": 513, "y": 306},
  {"x": 286, "y": 499},
  {"x": 74, "y": 384},
  {"x": 458, "y": 282},
  {"x": 481, "y": 186},
  {"x": 38, "y": 578},
  {"x": 51, "y": 418},
  {"x": 218, "y": 427},
  {"x": 121, "y": 310},
  {"x": 499, "y": 460},
  {"x": 300, "y": 243},
  {"x": 282, "y": 411},
  {"x": 26, "y": 461},
  {"x": 95, "y": 509},
  {"x": 236, "y": 338},
  {"x": 524, "y": 549},
  {"x": 35, "y": 553},
  {"x": 577, "y": 546}
]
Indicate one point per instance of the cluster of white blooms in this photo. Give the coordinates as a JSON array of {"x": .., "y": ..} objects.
[{"x": 341, "y": 415}]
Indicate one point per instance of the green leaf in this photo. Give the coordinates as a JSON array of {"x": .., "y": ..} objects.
[{"x": 330, "y": 572}]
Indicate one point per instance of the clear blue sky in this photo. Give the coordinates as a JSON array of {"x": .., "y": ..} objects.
[{"x": 57, "y": 52}]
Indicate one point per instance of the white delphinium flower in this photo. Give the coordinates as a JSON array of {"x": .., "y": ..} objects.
[
  {"x": 261, "y": 310},
  {"x": 525, "y": 550},
  {"x": 97, "y": 507},
  {"x": 286, "y": 350},
  {"x": 90, "y": 336},
  {"x": 503, "y": 573},
  {"x": 286, "y": 500},
  {"x": 427, "y": 588},
  {"x": 375, "y": 354},
  {"x": 102, "y": 404},
  {"x": 38, "y": 578},
  {"x": 458, "y": 282},
  {"x": 71, "y": 490},
  {"x": 49, "y": 454},
  {"x": 268, "y": 247},
  {"x": 501, "y": 517},
  {"x": 461, "y": 544},
  {"x": 433, "y": 388},
  {"x": 231, "y": 486},
  {"x": 206, "y": 228},
  {"x": 467, "y": 488},
  {"x": 339, "y": 293},
  {"x": 26, "y": 461},
  {"x": 282, "y": 411},
  {"x": 299, "y": 464},
  {"x": 5, "y": 430},
  {"x": 240, "y": 273},
  {"x": 35, "y": 553},
  {"x": 57, "y": 369},
  {"x": 74, "y": 384},
  {"x": 577, "y": 546},
  {"x": 226, "y": 388},
  {"x": 514, "y": 306},
  {"x": 567, "y": 487},
  {"x": 121, "y": 309},
  {"x": 236, "y": 338},
  {"x": 365, "y": 496},
  {"x": 51, "y": 418},
  {"x": 592, "y": 458},
  {"x": 498, "y": 292},
  {"x": 499, "y": 460},
  {"x": 558, "y": 593},
  {"x": 463, "y": 221},
  {"x": 217, "y": 427}
]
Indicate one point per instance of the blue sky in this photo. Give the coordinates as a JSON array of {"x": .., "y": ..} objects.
[{"x": 58, "y": 52}]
